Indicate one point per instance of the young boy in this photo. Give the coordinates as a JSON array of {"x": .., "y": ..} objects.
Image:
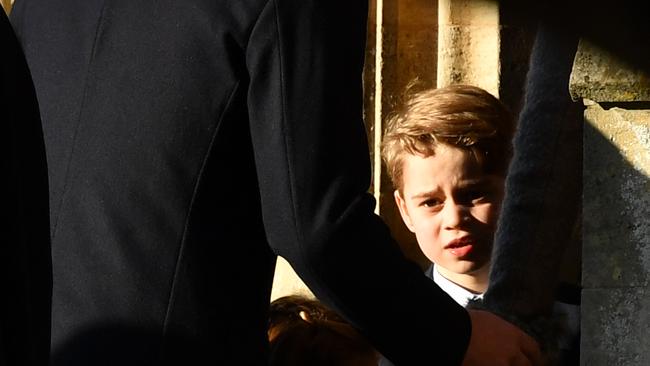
[{"x": 447, "y": 153}]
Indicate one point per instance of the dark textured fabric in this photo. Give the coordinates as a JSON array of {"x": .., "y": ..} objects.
[
  {"x": 543, "y": 193},
  {"x": 189, "y": 143},
  {"x": 543, "y": 187},
  {"x": 25, "y": 274},
  {"x": 383, "y": 361}
]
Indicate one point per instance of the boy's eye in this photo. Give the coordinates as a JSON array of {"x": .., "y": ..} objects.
[
  {"x": 431, "y": 203},
  {"x": 471, "y": 197},
  {"x": 475, "y": 196}
]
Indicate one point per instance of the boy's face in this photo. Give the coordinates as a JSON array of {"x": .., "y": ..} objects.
[{"x": 452, "y": 207}]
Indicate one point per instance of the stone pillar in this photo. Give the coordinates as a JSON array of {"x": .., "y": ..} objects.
[
  {"x": 616, "y": 209},
  {"x": 403, "y": 49},
  {"x": 468, "y": 43}
]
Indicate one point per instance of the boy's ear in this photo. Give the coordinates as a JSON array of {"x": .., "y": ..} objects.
[{"x": 401, "y": 205}]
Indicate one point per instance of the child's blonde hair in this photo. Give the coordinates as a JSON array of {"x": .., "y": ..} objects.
[
  {"x": 462, "y": 116},
  {"x": 303, "y": 331}
]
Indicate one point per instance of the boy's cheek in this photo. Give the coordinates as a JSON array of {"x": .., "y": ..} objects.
[
  {"x": 494, "y": 215},
  {"x": 424, "y": 228},
  {"x": 429, "y": 241}
]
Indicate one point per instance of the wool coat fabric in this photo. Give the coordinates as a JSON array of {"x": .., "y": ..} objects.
[
  {"x": 26, "y": 273},
  {"x": 190, "y": 142},
  {"x": 543, "y": 193}
]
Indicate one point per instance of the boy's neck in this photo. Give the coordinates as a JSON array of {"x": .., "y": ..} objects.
[{"x": 476, "y": 282}]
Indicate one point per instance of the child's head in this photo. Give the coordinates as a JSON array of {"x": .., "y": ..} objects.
[
  {"x": 305, "y": 332},
  {"x": 447, "y": 153}
]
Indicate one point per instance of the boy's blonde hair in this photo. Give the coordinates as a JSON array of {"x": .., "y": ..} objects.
[{"x": 462, "y": 116}]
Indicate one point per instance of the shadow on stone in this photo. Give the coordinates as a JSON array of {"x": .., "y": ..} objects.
[{"x": 616, "y": 235}]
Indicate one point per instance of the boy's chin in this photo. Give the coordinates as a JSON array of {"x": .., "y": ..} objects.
[{"x": 468, "y": 268}]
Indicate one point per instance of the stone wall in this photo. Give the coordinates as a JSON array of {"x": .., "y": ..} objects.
[{"x": 616, "y": 208}]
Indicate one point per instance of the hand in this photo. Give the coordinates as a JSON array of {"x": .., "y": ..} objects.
[{"x": 496, "y": 342}]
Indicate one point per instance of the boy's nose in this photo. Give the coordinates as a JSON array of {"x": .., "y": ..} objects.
[{"x": 455, "y": 215}]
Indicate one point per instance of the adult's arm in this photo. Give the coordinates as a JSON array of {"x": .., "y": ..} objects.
[
  {"x": 305, "y": 60},
  {"x": 543, "y": 190},
  {"x": 26, "y": 272}
]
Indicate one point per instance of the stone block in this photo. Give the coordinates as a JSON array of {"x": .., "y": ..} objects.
[
  {"x": 602, "y": 77},
  {"x": 616, "y": 198},
  {"x": 614, "y": 328}
]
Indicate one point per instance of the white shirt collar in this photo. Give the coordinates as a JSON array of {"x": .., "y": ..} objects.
[{"x": 461, "y": 295}]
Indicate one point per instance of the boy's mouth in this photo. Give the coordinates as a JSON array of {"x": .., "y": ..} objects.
[{"x": 460, "y": 247}]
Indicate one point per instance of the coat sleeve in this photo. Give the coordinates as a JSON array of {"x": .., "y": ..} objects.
[
  {"x": 305, "y": 62},
  {"x": 26, "y": 271},
  {"x": 543, "y": 194}
]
